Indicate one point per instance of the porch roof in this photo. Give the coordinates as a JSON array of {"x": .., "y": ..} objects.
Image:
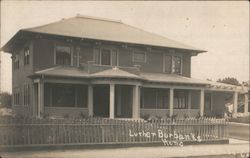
[
  {"x": 171, "y": 78},
  {"x": 63, "y": 71},
  {"x": 116, "y": 73},
  {"x": 73, "y": 72},
  {"x": 66, "y": 71}
]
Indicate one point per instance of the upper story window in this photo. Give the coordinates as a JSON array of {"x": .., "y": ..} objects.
[
  {"x": 16, "y": 62},
  {"x": 26, "y": 56},
  {"x": 139, "y": 57},
  {"x": 172, "y": 64},
  {"x": 105, "y": 56},
  {"x": 63, "y": 55},
  {"x": 176, "y": 64}
]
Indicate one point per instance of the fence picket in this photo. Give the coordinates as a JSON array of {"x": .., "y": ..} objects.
[{"x": 96, "y": 130}]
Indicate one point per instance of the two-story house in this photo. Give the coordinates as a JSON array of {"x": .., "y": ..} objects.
[{"x": 85, "y": 66}]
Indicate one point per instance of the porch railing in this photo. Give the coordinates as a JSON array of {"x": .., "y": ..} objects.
[{"x": 38, "y": 132}]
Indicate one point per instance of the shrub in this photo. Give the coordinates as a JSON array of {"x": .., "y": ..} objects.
[
  {"x": 66, "y": 116},
  {"x": 145, "y": 117},
  {"x": 5, "y": 100},
  {"x": 82, "y": 115}
]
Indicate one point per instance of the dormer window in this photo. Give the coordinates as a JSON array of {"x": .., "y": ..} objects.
[
  {"x": 26, "y": 56},
  {"x": 62, "y": 55}
]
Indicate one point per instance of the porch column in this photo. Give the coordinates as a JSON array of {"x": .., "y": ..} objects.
[
  {"x": 119, "y": 101},
  {"x": 235, "y": 105},
  {"x": 171, "y": 102},
  {"x": 189, "y": 101},
  {"x": 112, "y": 101},
  {"x": 246, "y": 103},
  {"x": 136, "y": 102},
  {"x": 90, "y": 100},
  {"x": 202, "y": 102},
  {"x": 35, "y": 99},
  {"x": 40, "y": 98}
]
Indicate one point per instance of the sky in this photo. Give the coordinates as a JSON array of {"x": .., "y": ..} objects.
[{"x": 221, "y": 28}]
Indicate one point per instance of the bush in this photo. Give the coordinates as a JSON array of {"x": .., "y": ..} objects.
[
  {"x": 5, "y": 100},
  {"x": 245, "y": 119}
]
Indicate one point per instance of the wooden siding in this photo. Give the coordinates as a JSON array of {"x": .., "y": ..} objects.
[
  {"x": 20, "y": 79},
  {"x": 44, "y": 56}
]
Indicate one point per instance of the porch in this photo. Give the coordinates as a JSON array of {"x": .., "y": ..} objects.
[
  {"x": 126, "y": 92},
  {"x": 125, "y": 99}
]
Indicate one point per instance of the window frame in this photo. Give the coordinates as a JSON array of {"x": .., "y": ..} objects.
[
  {"x": 97, "y": 52},
  {"x": 211, "y": 101},
  {"x": 26, "y": 56},
  {"x": 156, "y": 95},
  {"x": 139, "y": 52},
  {"x": 110, "y": 58},
  {"x": 26, "y": 95},
  {"x": 71, "y": 53},
  {"x": 52, "y": 91},
  {"x": 184, "y": 96},
  {"x": 17, "y": 97},
  {"x": 179, "y": 56},
  {"x": 172, "y": 62},
  {"x": 16, "y": 62}
]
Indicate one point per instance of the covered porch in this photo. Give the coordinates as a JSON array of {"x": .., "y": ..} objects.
[
  {"x": 63, "y": 98},
  {"x": 125, "y": 100},
  {"x": 112, "y": 94}
]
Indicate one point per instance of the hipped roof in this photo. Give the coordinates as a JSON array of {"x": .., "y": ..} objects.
[{"x": 85, "y": 27}]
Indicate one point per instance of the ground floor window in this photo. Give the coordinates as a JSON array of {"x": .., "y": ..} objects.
[
  {"x": 65, "y": 95},
  {"x": 208, "y": 101},
  {"x": 180, "y": 99},
  {"x": 17, "y": 96},
  {"x": 152, "y": 98},
  {"x": 26, "y": 95}
]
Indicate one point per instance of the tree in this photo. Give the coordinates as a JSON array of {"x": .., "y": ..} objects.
[
  {"x": 229, "y": 80},
  {"x": 5, "y": 99}
]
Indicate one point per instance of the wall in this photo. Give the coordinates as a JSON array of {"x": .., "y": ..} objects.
[
  {"x": 44, "y": 56},
  {"x": 186, "y": 68},
  {"x": 19, "y": 79}
]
